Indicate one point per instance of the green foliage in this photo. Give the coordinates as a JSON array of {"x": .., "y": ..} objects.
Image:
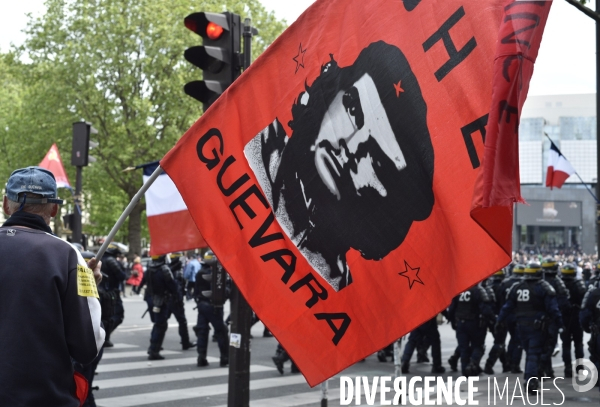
[{"x": 119, "y": 65}]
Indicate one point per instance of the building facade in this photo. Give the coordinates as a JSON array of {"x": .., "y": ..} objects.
[{"x": 557, "y": 219}]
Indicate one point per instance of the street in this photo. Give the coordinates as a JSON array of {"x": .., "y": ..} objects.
[{"x": 126, "y": 378}]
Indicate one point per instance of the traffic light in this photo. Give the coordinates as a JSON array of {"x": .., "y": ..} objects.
[
  {"x": 218, "y": 282},
  {"x": 218, "y": 57},
  {"x": 82, "y": 144}
]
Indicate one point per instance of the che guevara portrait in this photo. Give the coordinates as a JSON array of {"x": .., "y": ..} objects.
[{"x": 357, "y": 169}]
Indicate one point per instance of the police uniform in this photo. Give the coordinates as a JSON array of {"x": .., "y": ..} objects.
[
  {"x": 533, "y": 301},
  {"x": 426, "y": 332},
  {"x": 589, "y": 318},
  {"x": 572, "y": 332},
  {"x": 514, "y": 351},
  {"x": 161, "y": 288},
  {"x": 111, "y": 291},
  {"x": 176, "y": 303},
  {"x": 494, "y": 284},
  {"x": 550, "y": 274},
  {"x": 471, "y": 310},
  {"x": 209, "y": 314}
]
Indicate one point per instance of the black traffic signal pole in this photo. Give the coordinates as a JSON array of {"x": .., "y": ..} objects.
[
  {"x": 79, "y": 158},
  {"x": 76, "y": 227},
  {"x": 241, "y": 313}
]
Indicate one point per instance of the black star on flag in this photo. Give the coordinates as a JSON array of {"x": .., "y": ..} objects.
[
  {"x": 412, "y": 274},
  {"x": 299, "y": 59}
]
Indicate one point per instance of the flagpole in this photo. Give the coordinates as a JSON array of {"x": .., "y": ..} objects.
[
  {"x": 127, "y": 211},
  {"x": 576, "y": 173},
  {"x": 588, "y": 188}
]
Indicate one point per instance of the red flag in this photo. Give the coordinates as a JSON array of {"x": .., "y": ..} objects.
[
  {"x": 340, "y": 172},
  {"x": 53, "y": 163},
  {"x": 559, "y": 168},
  {"x": 169, "y": 222}
]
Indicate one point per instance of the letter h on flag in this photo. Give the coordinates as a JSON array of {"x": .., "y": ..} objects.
[{"x": 559, "y": 168}]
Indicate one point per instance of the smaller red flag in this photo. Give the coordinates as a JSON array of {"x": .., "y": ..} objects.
[
  {"x": 53, "y": 163},
  {"x": 559, "y": 168}
]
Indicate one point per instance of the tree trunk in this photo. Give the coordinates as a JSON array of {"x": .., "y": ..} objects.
[{"x": 134, "y": 235}]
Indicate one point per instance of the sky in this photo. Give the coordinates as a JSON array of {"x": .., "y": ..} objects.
[{"x": 566, "y": 61}]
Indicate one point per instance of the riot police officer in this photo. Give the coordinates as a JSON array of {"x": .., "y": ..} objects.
[
  {"x": 589, "y": 318},
  {"x": 209, "y": 313},
  {"x": 533, "y": 301},
  {"x": 550, "y": 274},
  {"x": 426, "y": 332},
  {"x": 111, "y": 285},
  {"x": 176, "y": 303},
  {"x": 514, "y": 350},
  {"x": 572, "y": 331},
  {"x": 595, "y": 279},
  {"x": 471, "y": 310},
  {"x": 161, "y": 287},
  {"x": 494, "y": 284}
]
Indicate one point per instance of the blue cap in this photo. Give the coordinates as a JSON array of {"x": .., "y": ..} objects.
[{"x": 35, "y": 180}]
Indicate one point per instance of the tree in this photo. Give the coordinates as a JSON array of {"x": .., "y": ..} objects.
[{"x": 119, "y": 65}]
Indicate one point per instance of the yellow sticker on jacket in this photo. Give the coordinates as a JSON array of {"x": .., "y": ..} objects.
[{"x": 86, "y": 285}]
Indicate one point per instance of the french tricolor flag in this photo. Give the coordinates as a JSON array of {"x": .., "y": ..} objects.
[
  {"x": 559, "y": 169},
  {"x": 171, "y": 226}
]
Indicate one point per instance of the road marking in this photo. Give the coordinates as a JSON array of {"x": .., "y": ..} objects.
[
  {"x": 136, "y": 353},
  {"x": 150, "y": 364},
  {"x": 120, "y": 346},
  {"x": 291, "y": 400},
  {"x": 172, "y": 377},
  {"x": 163, "y": 397}
]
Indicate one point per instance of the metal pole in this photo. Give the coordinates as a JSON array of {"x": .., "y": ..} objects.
[
  {"x": 324, "y": 390},
  {"x": 76, "y": 228},
  {"x": 597, "y": 129},
  {"x": 397, "y": 362},
  {"x": 239, "y": 358},
  {"x": 127, "y": 211},
  {"x": 241, "y": 313}
]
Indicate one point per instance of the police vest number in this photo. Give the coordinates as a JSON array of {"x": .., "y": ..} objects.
[
  {"x": 598, "y": 305},
  {"x": 466, "y": 296},
  {"x": 523, "y": 295}
]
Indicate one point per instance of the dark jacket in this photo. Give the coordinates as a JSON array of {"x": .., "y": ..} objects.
[
  {"x": 114, "y": 270},
  {"x": 48, "y": 314},
  {"x": 530, "y": 300}
]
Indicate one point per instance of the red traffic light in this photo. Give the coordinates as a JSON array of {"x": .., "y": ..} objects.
[{"x": 213, "y": 31}]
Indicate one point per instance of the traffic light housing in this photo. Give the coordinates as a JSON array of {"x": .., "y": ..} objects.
[
  {"x": 218, "y": 57},
  {"x": 81, "y": 144},
  {"x": 218, "y": 283}
]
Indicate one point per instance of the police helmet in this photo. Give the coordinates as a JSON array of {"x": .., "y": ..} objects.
[
  {"x": 549, "y": 265},
  {"x": 532, "y": 270},
  {"x": 519, "y": 269},
  {"x": 87, "y": 255},
  {"x": 500, "y": 272},
  {"x": 113, "y": 249},
  {"x": 210, "y": 258},
  {"x": 161, "y": 258},
  {"x": 597, "y": 267},
  {"x": 568, "y": 269},
  {"x": 175, "y": 257}
]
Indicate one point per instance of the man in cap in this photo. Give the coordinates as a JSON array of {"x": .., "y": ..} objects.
[{"x": 49, "y": 308}]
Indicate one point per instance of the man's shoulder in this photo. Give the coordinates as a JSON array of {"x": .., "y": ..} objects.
[{"x": 36, "y": 235}]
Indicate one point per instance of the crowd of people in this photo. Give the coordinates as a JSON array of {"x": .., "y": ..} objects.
[{"x": 534, "y": 301}]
